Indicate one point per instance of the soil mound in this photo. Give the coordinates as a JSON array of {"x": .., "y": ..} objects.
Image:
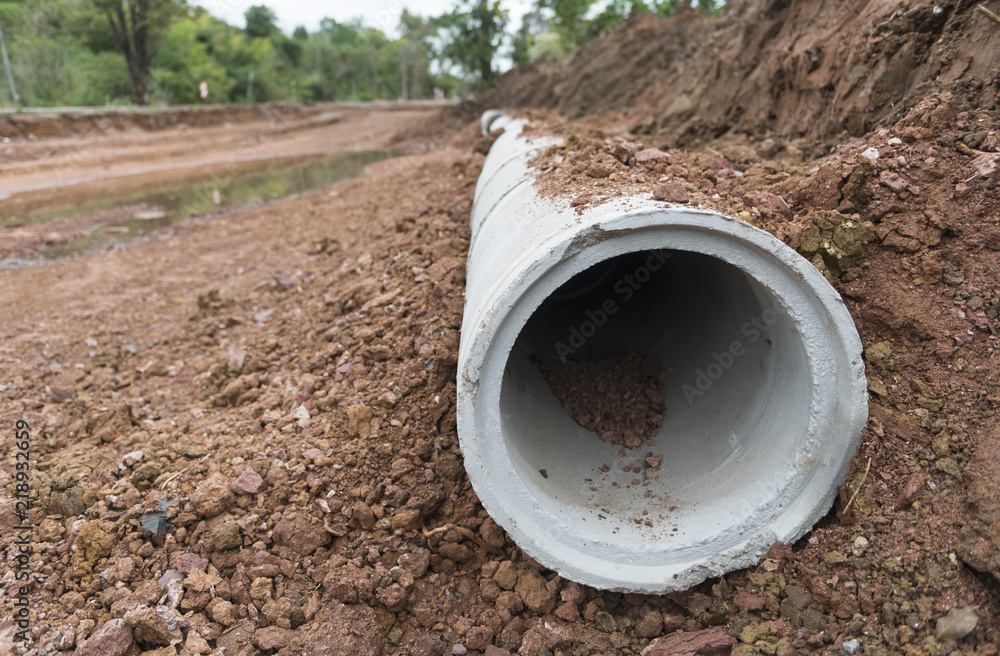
[{"x": 791, "y": 68}]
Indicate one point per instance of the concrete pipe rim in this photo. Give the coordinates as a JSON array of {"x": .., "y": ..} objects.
[{"x": 537, "y": 519}]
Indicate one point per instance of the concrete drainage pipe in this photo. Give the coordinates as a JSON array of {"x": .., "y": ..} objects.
[{"x": 763, "y": 381}]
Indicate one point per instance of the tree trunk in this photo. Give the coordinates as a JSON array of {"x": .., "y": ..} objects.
[
  {"x": 415, "y": 78},
  {"x": 132, "y": 34},
  {"x": 403, "y": 91},
  {"x": 373, "y": 59}
]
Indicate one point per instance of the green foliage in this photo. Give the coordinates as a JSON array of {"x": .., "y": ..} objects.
[
  {"x": 261, "y": 22},
  {"x": 72, "y": 52},
  {"x": 475, "y": 32},
  {"x": 577, "y": 21}
]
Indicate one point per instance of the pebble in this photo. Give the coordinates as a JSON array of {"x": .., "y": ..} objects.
[
  {"x": 651, "y": 155},
  {"x": 459, "y": 650},
  {"x": 672, "y": 193},
  {"x": 851, "y": 646},
  {"x": 301, "y": 416},
  {"x": 131, "y": 458},
  {"x": 213, "y": 495},
  {"x": 168, "y": 576},
  {"x": 113, "y": 638},
  {"x": 156, "y": 626},
  {"x": 249, "y": 482},
  {"x": 871, "y": 154},
  {"x": 859, "y": 546}
]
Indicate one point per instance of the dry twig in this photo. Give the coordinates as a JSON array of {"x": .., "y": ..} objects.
[
  {"x": 463, "y": 531},
  {"x": 860, "y": 485},
  {"x": 989, "y": 14},
  {"x": 178, "y": 473}
]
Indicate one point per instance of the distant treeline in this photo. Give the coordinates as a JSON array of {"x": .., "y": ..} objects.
[{"x": 97, "y": 52}]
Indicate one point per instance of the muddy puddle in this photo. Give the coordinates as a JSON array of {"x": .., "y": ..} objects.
[{"x": 118, "y": 221}]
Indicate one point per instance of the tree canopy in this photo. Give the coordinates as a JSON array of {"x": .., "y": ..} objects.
[{"x": 96, "y": 52}]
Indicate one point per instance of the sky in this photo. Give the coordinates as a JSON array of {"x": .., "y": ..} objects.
[{"x": 382, "y": 14}]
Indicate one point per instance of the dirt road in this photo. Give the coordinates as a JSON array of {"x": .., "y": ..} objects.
[{"x": 58, "y": 174}]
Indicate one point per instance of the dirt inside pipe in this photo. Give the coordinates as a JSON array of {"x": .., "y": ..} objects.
[{"x": 618, "y": 397}]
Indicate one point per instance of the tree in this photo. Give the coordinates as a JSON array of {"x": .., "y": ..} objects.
[
  {"x": 132, "y": 22},
  {"x": 373, "y": 40},
  {"x": 476, "y": 31},
  {"x": 533, "y": 24},
  {"x": 569, "y": 19},
  {"x": 416, "y": 49},
  {"x": 261, "y": 22}
]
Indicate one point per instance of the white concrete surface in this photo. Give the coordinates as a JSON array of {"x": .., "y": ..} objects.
[{"x": 764, "y": 382}]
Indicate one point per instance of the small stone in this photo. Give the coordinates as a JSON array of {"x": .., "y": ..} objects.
[
  {"x": 301, "y": 533},
  {"x": 851, "y": 646},
  {"x": 394, "y": 597},
  {"x": 859, "y": 546},
  {"x": 747, "y": 601},
  {"x": 161, "y": 625},
  {"x": 406, "y": 519},
  {"x": 271, "y": 638},
  {"x": 459, "y": 650},
  {"x": 60, "y": 395},
  {"x": 749, "y": 218},
  {"x": 168, "y": 576},
  {"x": 212, "y": 496},
  {"x": 222, "y": 611},
  {"x": 189, "y": 561},
  {"x": 877, "y": 387},
  {"x": 671, "y": 192},
  {"x": 880, "y": 356},
  {"x": 832, "y": 558},
  {"x": 650, "y": 155},
  {"x": 958, "y": 623},
  {"x": 416, "y": 562},
  {"x": 492, "y": 650},
  {"x": 49, "y": 530},
  {"x": 623, "y": 152},
  {"x": 132, "y": 458},
  {"x": 892, "y": 181},
  {"x": 531, "y": 587},
  {"x": 226, "y": 536},
  {"x": 428, "y": 645},
  {"x": 506, "y": 575},
  {"x": 871, "y": 154},
  {"x": 249, "y": 482},
  {"x": 707, "y": 642},
  {"x": 986, "y": 166},
  {"x": 359, "y": 419},
  {"x": 262, "y": 589},
  {"x": 301, "y": 416},
  {"x": 199, "y": 581},
  {"x": 113, "y": 638},
  {"x": 650, "y": 624},
  {"x": 195, "y": 644},
  {"x": 597, "y": 170},
  {"x": 568, "y": 611},
  {"x": 64, "y": 638}
]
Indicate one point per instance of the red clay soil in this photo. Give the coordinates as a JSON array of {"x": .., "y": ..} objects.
[
  {"x": 794, "y": 68},
  {"x": 243, "y": 428}
]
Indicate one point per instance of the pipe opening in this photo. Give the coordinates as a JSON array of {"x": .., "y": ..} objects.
[{"x": 736, "y": 382}]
